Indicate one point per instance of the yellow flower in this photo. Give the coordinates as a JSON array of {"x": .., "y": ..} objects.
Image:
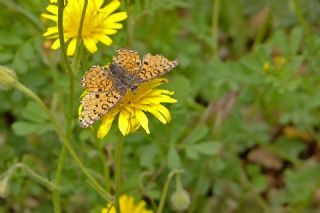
[
  {"x": 266, "y": 66},
  {"x": 99, "y": 22},
  {"x": 127, "y": 205},
  {"x": 279, "y": 61},
  {"x": 132, "y": 108}
]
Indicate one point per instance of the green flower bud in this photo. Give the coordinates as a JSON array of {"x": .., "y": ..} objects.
[
  {"x": 8, "y": 78},
  {"x": 4, "y": 187},
  {"x": 180, "y": 200}
]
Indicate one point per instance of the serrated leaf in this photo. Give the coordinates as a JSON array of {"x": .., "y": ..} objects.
[
  {"x": 173, "y": 158},
  {"x": 197, "y": 134}
]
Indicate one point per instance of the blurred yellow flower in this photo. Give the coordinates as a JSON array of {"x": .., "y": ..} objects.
[
  {"x": 127, "y": 205},
  {"x": 132, "y": 108},
  {"x": 279, "y": 61},
  {"x": 99, "y": 23},
  {"x": 266, "y": 66}
]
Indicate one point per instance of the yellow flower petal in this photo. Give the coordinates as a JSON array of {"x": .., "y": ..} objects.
[
  {"x": 90, "y": 44},
  {"x": 127, "y": 205},
  {"x": 123, "y": 122},
  {"x": 50, "y": 31},
  {"x": 156, "y": 114},
  {"x": 106, "y": 40},
  {"x": 52, "y": 9},
  {"x": 143, "y": 120},
  {"x": 71, "y": 47},
  {"x": 109, "y": 31},
  {"x": 50, "y": 17},
  {"x": 164, "y": 99},
  {"x": 56, "y": 44},
  {"x": 116, "y": 17},
  {"x": 105, "y": 126},
  {"x": 164, "y": 111},
  {"x": 116, "y": 26},
  {"x": 134, "y": 125},
  {"x": 110, "y": 8}
]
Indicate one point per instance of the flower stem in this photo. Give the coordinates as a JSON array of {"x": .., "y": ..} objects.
[
  {"x": 215, "y": 26},
  {"x": 118, "y": 172},
  {"x": 63, "y": 153},
  {"x": 26, "y": 14},
  {"x": 165, "y": 189},
  {"x": 57, "y": 180},
  {"x": 29, "y": 172},
  {"x": 298, "y": 10},
  {"x": 65, "y": 141}
]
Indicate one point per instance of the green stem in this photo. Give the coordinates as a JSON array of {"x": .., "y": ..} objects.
[
  {"x": 165, "y": 189},
  {"x": 304, "y": 24},
  {"x": 215, "y": 26},
  {"x": 65, "y": 140},
  {"x": 25, "y": 13},
  {"x": 63, "y": 153},
  {"x": 57, "y": 180},
  {"x": 118, "y": 172},
  {"x": 33, "y": 175}
]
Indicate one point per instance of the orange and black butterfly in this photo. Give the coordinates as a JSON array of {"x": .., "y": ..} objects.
[{"x": 106, "y": 86}]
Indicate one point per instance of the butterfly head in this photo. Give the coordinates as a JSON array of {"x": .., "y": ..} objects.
[{"x": 134, "y": 88}]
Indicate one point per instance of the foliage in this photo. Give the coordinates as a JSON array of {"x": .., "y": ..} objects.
[{"x": 245, "y": 129}]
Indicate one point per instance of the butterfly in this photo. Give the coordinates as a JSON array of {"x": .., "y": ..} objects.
[{"x": 106, "y": 86}]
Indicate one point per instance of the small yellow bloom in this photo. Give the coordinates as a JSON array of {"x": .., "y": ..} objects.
[
  {"x": 99, "y": 23},
  {"x": 279, "y": 61},
  {"x": 127, "y": 205},
  {"x": 266, "y": 66},
  {"x": 133, "y": 106}
]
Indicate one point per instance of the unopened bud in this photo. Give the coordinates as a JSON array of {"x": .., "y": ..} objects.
[
  {"x": 8, "y": 78},
  {"x": 4, "y": 187},
  {"x": 180, "y": 200}
]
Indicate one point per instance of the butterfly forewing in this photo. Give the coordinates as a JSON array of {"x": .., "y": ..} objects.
[
  {"x": 128, "y": 59},
  {"x": 154, "y": 66},
  {"x": 96, "y": 104},
  {"x": 97, "y": 79}
]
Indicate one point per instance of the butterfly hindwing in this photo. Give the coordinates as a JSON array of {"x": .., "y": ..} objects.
[
  {"x": 97, "y": 79},
  {"x": 154, "y": 66},
  {"x": 96, "y": 104}
]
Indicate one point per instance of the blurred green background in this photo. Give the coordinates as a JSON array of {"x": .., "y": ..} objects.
[{"x": 245, "y": 128}]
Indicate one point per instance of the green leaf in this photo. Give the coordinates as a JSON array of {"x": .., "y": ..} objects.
[
  {"x": 148, "y": 154},
  {"x": 173, "y": 158},
  {"x": 192, "y": 153},
  {"x": 197, "y": 134},
  {"x": 34, "y": 113},
  {"x": 23, "y": 128},
  {"x": 5, "y": 57},
  {"x": 295, "y": 40},
  {"x": 208, "y": 148},
  {"x": 27, "y": 51},
  {"x": 20, "y": 65},
  {"x": 181, "y": 87}
]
